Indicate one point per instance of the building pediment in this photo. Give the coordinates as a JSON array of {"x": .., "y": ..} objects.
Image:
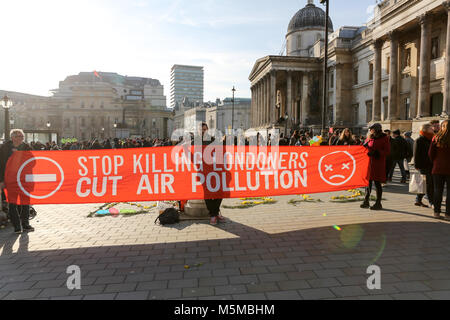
[{"x": 267, "y": 64}]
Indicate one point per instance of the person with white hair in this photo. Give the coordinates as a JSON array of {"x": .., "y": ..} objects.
[{"x": 19, "y": 214}]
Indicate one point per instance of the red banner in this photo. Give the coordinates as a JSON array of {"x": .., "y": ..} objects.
[{"x": 177, "y": 173}]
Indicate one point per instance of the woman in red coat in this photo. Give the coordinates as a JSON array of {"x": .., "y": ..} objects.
[
  {"x": 440, "y": 155},
  {"x": 379, "y": 147}
]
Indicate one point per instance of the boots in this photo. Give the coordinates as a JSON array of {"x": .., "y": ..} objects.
[
  {"x": 366, "y": 203},
  {"x": 377, "y": 206}
]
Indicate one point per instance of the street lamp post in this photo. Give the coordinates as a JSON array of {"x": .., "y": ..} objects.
[
  {"x": 7, "y": 104},
  {"x": 286, "y": 118},
  {"x": 232, "y": 110},
  {"x": 49, "y": 133},
  {"x": 325, "y": 64},
  {"x": 115, "y": 127}
]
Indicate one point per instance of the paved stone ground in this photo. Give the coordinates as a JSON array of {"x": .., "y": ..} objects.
[{"x": 277, "y": 251}]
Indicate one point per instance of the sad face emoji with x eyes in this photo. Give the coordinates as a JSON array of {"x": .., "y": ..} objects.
[{"x": 337, "y": 168}]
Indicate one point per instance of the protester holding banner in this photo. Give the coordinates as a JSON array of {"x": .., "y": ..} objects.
[
  {"x": 379, "y": 148},
  {"x": 19, "y": 214},
  {"x": 213, "y": 205},
  {"x": 423, "y": 163},
  {"x": 440, "y": 155}
]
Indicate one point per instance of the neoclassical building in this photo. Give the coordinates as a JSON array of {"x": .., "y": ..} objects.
[
  {"x": 395, "y": 69},
  {"x": 96, "y": 105}
]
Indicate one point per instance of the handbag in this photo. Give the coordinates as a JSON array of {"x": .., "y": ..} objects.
[{"x": 418, "y": 184}]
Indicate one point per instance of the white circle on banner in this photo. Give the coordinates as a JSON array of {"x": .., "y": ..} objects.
[
  {"x": 19, "y": 182},
  {"x": 344, "y": 172}
]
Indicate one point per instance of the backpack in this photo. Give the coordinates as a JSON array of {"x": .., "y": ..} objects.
[{"x": 169, "y": 216}]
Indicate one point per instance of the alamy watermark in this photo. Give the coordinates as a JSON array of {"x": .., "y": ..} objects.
[{"x": 74, "y": 280}]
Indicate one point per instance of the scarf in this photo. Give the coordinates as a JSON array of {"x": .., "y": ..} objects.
[{"x": 427, "y": 135}]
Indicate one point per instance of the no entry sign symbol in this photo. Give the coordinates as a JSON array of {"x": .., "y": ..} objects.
[{"x": 40, "y": 177}]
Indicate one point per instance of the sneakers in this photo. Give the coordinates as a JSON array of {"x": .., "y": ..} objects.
[
  {"x": 215, "y": 220},
  {"x": 28, "y": 229},
  {"x": 221, "y": 218}
]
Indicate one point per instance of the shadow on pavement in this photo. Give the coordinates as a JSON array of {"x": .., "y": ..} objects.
[{"x": 316, "y": 263}]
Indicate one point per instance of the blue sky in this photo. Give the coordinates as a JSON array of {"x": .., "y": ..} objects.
[{"x": 56, "y": 38}]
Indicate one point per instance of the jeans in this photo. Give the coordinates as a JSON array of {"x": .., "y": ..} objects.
[
  {"x": 379, "y": 191},
  {"x": 439, "y": 183},
  {"x": 213, "y": 206},
  {"x": 430, "y": 190},
  {"x": 400, "y": 165},
  {"x": 19, "y": 215}
]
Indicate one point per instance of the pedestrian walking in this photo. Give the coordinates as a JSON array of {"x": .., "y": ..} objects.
[
  {"x": 423, "y": 163},
  {"x": 399, "y": 152},
  {"x": 440, "y": 155}
]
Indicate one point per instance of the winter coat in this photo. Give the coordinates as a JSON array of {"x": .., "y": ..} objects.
[
  {"x": 422, "y": 161},
  {"x": 379, "y": 148},
  {"x": 410, "y": 144},
  {"x": 399, "y": 148},
  {"x": 441, "y": 159},
  {"x": 6, "y": 152}
]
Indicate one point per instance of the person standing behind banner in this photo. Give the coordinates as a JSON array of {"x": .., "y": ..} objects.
[
  {"x": 379, "y": 148},
  {"x": 423, "y": 163},
  {"x": 19, "y": 215},
  {"x": 440, "y": 155},
  {"x": 213, "y": 205},
  {"x": 346, "y": 138}
]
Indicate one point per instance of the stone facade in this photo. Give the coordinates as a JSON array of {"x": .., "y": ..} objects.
[
  {"x": 395, "y": 69},
  {"x": 87, "y": 106}
]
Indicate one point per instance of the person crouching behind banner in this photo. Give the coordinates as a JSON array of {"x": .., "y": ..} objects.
[
  {"x": 19, "y": 215},
  {"x": 213, "y": 205},
  {"x": 379, "y": 148}
]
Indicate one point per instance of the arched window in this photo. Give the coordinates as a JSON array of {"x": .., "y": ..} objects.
[
  {"x": 299, "y": 41},
  {"x": 318, "y": 36}
]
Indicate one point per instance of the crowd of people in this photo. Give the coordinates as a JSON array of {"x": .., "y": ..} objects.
[
  {"x": 429, "y": 155},
  {"x": 96, "y": 144}
]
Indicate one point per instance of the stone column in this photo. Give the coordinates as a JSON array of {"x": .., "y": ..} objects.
[
  {"x": 273, "y": 97},
  {"x": 289, "y": 96},
  {"x": 305, "y": 98},
  {"x": 267, "y": 110},
  {"x": 424, "y": 73},
  {"x": 446, "y": 107},
  {"x": 393, "y": 77},
  {"x": 376, "y": 108},
  {"x": 252, "y": 107},
  {"x": 264, "y": 101},
  {"x": 260, "y": 105}
]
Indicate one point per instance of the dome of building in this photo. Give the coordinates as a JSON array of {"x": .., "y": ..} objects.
[{"x": 309, "y": 17}]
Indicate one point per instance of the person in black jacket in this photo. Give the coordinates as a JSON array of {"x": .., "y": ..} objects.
[
  {"x": 346, "y": 138},
  {"x": 19, "y": 214},
  {"x": 423, "y": 163},
  {"x": 399, "y": 152}
]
